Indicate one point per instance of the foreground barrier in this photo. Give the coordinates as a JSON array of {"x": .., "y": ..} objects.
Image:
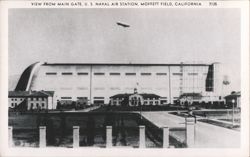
[
  {"x": 142, "y": 143},
  {"x": 76, "y": 140},
  {"x": 190, "y": 131},
  {"x": 42, "y": 136},
  {"x": 165, "y": 137},
  {"x": 109, "y": 144},
  {"x": 109, "y": 136},
  {"x": 10, "y": 136}
]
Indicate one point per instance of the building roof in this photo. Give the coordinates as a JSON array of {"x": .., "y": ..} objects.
[
  {"x": 233, "y": 95},
  {"x": 49, "y": 93},
  {"x": 120, "y": 95},
  {"x": 144, "y": 95},
  {"x": 149, "y": 95},
  {"x": 31, "y": 93},
  {"x": 194, "y": 95},
  {"x": 123, "y": 64}
]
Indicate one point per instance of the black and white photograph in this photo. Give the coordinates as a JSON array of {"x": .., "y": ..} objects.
[{"x": 127, "y": 78}]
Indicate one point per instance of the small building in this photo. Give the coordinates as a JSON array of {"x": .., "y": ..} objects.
[
  {"x": 236, "y": 96},
  {"x": 190, "y": 98},
  {"x": 151, "y": 99},
  {"x": 135, "y": 99},
  {"x": 119, "y": 99},
  {"x": 30, "y": 100}
]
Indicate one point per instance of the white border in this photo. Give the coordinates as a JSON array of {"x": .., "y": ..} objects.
[{"x": 83, "y": 151}]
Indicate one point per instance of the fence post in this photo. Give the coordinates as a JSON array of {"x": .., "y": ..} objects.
[
  {"x": 142, "y": 137},
  {"x": 190, "y": 131},
  {"x": 165, "y": 137},
  {"x": 42, "y": 136},
  {"x": 10, "y": 133},
  {"x": 108, "y": 136},
  {"x": 76, "y": 136}
]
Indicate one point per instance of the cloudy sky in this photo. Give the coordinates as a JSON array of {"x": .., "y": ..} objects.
[{"x": 155, "y": 36}]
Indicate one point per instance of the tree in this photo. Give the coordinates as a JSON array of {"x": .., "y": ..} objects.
[
  {"x": 125, "y": 102},
  {"x": 59, "y": 105},
  {"x": 73, "y": 105}
]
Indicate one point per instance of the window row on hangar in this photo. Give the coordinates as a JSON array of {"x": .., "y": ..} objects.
[
  {"x": 176, "y": 87},
  {"x": 127, "y": 74}
]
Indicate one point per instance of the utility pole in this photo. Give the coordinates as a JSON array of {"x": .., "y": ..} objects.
[
  {"x": 90, "y": 85},
  {"x": 233, "y": 102}
]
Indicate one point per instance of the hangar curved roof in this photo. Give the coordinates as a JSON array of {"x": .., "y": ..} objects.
[{"x": 24, "y": 81}]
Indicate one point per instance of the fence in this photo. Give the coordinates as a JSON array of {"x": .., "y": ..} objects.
[{"x": 190, "y": 135}]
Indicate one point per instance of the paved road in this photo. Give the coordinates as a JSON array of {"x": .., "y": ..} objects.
[{"x": 206, "y": 135}]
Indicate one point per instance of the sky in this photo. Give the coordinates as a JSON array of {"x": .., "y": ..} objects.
[{"x": 154, "y": 36}]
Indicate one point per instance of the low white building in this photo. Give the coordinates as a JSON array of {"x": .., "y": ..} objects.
[
  {"x": 32, "y": 100},
  {"x": 135, "y": 99},
  {"x": 233, "y": 99},
  {"x": 190, "y": 98}
]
